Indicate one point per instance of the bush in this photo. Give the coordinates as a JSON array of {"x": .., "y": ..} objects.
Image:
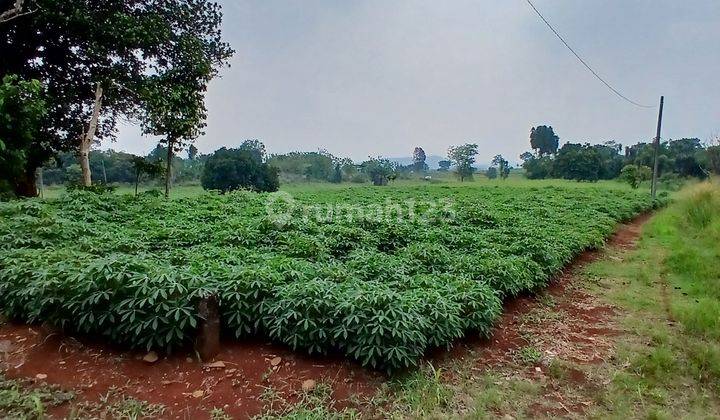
[
  {"x": 234, "y": 169},
  {"x": 635, "y": 174},
  {"x": 701, "y": 208}
]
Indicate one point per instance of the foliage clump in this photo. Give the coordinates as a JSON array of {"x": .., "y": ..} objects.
[
  {"x": 635, "y": 175},
  {"x": 234, "y": 169}
]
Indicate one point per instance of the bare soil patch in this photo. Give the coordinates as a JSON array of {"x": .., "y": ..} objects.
[{"x": 188, "y": 388}]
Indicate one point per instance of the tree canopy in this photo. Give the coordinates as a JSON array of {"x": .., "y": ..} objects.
[
  {"x": 419, "y": 158},
  {"x": 313, "y": 166},
  {"x": 544, "y": 140},
  {"x": 503, "y": 166},
  {"x": 463, "y": 157},
  {"x": 685, "y": 157},
  {"x": 233, "y": 169},
  {"x": 491, "y": 172},
  {"x": 133, "y": 49},
  {"x": 635, "y": 174},
  {"x": 379, "y": 170},
  {"x": 580, "y": 162}
]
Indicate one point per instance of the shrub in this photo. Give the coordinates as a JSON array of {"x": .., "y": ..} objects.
[
  {"x": 635, "y": 174},
  {"x": 701, "y": 207}
]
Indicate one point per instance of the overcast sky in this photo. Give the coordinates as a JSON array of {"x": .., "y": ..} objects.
[{"x": 379, "y": 77}]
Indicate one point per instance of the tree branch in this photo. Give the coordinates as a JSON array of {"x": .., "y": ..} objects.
[{"x": 14, "y": 12}]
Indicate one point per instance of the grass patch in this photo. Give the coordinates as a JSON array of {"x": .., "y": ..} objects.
[
  {"x": 423, "y": 392},
  {"x": 529, "y": 355},
  {"x": 115, "y": 405},
  {"x": 316, "y": 404},
  {"x": 670, "y": 367},
  {"x": 22, "y": 400}
]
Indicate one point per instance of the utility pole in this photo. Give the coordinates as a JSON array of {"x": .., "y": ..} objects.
[{"x": 653, "y": 187}]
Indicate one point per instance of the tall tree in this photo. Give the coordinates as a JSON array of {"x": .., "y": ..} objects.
[
  {"x": 174, "y": 98},
  {"x": 82, "y": 51},
  {"x": 687, "y": 153},
  {"x": 544, "y": 140},
  {"x": 611, "y": 162},
  {"x": 337, "y": 176},
  {"x": 192, "y": 152},
  {"x": 526, "y": 156},
  {"x": 713, "y": 154},
  {"x": 178, "y": 114},
  {"x": 419, "y": 157},
  {"x": 538, "y": 167},
  {"x": 491, "y": 173},
  {"x": 379, "y": 170},
  {"x": 463, "y": 157},
  {"x": 502, "y": 165},
  {"x": 643, "y": 154}
]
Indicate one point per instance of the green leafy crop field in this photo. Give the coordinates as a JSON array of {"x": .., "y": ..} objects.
[{"x": 380, "y": 274}]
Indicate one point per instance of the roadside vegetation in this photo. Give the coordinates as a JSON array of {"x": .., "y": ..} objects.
[{"x": 670, "y": 365}]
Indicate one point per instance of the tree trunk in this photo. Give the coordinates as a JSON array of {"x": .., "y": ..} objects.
[
  {"x": 87, "y": 139},
  {"x": 13, "y": 12},
  {"x": 137, "y": 181},
  {"x": 208, "y": 341},
  {"x": 168, "y": 168},
  {"x": 84, "y": 158},
  {"x": 41, "y": 181},
  {"x": 25, "y": 186}
]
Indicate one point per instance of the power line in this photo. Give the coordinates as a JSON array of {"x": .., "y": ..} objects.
[{"x": 583, "y": 61}]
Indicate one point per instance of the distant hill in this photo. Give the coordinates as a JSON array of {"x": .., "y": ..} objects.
[{"x": 432, "y": 162}]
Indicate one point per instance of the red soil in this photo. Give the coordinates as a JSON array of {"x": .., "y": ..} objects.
[{"x": 92, "y": 370}]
